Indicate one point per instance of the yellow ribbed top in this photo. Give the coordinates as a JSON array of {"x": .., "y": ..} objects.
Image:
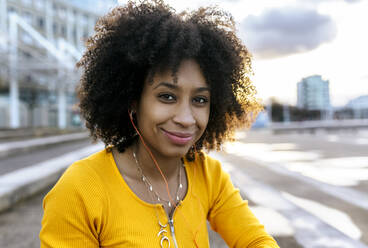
[{"x": 92, "y": 206}]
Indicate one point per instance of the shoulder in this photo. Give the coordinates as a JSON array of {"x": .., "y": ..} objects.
[
  {"x": 84, "y": 170},
  {"x": 208, "y": 164},
  {"x": 80, "y": 178},
  {"x": 207, "y": 170},
  {"x": 212, "y": 179},
  {"x": 78, "y": 204}
]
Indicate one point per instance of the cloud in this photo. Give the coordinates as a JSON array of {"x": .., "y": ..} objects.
[
  {"x": 284, "y": 31},
  {"x": 332, "y": 1},
  {"x": 352, "y": 1}
]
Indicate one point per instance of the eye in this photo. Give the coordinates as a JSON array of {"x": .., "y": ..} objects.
[
  {"x": 200, "y": 100},
  {"x": 166, "y": 97}
]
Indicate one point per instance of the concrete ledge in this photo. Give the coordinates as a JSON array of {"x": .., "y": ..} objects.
[
  {"x": 29, "y": 132},
  {"x": 14, "y": 147},
  {"x": 26, "y": 182}
]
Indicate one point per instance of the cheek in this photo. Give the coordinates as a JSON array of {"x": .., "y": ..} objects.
[
  {"x": 203, "y": 117},
  {"x": 152, "y": 113}
]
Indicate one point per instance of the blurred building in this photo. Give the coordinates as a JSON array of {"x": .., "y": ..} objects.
[
  {"x": 40, "y": 42},
  {"x": 360, "y": 102},
  {"x": 313, "y": 93},
  {"x": 359, "y": 107},
  {"x": 54, "y": 19}
]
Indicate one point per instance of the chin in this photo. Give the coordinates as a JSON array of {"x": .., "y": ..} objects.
[{"x": 176, "y": 151}]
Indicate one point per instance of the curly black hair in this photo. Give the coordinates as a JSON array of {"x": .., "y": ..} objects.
[{"x": 134, "y": 41}]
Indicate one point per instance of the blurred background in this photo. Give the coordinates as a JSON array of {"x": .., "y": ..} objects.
[{"x": 303, "y": 166}]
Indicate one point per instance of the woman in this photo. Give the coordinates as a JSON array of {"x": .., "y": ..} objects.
[{"x": 157, "y": 88}]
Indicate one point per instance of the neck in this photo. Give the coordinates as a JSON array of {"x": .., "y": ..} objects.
[{"x": 168, "y": 165}]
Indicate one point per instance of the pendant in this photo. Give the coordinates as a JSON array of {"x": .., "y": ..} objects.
[
  {"x": 162, "y": 241},
  {"x": 169, "y": 204},
  {"x": 163, "y": 237}
]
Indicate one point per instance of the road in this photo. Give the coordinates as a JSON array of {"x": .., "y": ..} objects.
[{"x": 308, "y": 190}]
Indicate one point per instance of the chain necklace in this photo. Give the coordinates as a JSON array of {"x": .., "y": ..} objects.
[
  {"x": 162, "y": 232},
  {"x": 150, "y": 188}
]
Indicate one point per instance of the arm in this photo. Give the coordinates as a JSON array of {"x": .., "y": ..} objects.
[
  {"x": 230, "y": 215},
  {"x": 72, "y": 210}
]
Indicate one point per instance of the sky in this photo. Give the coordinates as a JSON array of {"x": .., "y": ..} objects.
[{"x": 293, "y": 39}]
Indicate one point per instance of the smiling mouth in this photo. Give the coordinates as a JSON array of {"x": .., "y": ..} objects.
[{"x": 178, "y": 138}]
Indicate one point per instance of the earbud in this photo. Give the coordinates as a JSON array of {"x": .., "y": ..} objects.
[{"x": 131, "y": 112}]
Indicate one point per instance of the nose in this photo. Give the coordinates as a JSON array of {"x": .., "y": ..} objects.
[{"x": 184, "y": 115}]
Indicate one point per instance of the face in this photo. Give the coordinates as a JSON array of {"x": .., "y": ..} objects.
[{"x": 173, "y": 116}]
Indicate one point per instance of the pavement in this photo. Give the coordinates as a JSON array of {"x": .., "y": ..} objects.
[
  {"x": 299, "y": 207},
  {"x": 317, "y": 183}
]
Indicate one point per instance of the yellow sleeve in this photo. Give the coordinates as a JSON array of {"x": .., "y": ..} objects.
[
  {"x": 73, "y": 210},
  {"x": 230, "y": 215}
]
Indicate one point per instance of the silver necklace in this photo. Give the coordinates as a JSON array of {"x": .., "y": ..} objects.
[
  {"x": 149, "y": 185},
  {"x": 162, "y": 232}
]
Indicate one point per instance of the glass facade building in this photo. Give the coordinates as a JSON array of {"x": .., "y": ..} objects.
[{"x": 313, "y": 93}]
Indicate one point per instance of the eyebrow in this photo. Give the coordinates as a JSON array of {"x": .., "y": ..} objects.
[
  {"x": 174, "y": 87},
  {"x": 168, "y": 85}
]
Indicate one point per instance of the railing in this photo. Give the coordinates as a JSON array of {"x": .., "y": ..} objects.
[{"x": 313, "y": 126}]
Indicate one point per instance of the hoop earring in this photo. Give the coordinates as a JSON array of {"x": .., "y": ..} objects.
[{"x": 192, "y": 152}]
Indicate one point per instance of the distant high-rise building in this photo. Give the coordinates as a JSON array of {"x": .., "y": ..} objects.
[{"x": 313, "y": 93}]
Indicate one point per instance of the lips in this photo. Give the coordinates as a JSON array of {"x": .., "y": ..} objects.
[{"x": 178, "y": 138}]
